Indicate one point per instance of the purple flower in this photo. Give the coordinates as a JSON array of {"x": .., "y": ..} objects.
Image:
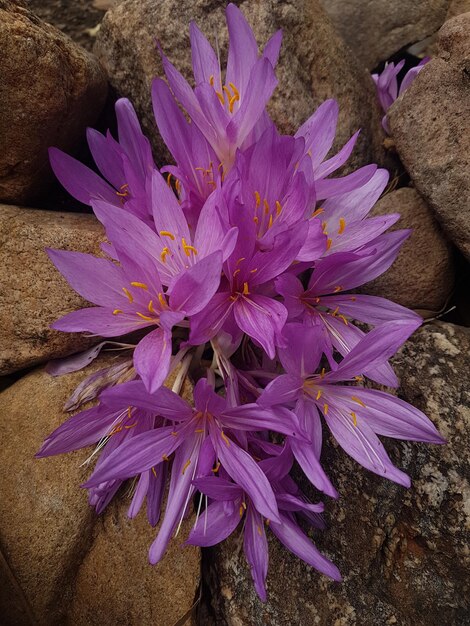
[
  {"x": 130, "y": 296},
  {"x": 354, "y": 415},
  {"x": 387, "y": 84},
  {"x": 231, "y": 505},
  {"x": 200, "y": 437},
  {"x": 125, "y": 164}
]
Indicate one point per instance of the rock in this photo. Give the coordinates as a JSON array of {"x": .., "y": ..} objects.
[
  {"x": 51, "y": 90},
  {"x": 62, "y": 563},
  {"x": 116, "y": 585},
  {"x": 377, "y": 30},
  {"x": 429, "y": 124},
  {"x": 315, "y": 64},
  {"x": 79, "y": 19},
  {"x": 34, "y": 293},
  {"x": 422, "y": 277},
  {"x": 403, "y": 554}
]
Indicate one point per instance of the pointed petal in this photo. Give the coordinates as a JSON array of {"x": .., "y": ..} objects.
[
  {"x": 214, "y": 525},
  {"x": 256, "y": 550},
  {"x": 152, "y": 358}
]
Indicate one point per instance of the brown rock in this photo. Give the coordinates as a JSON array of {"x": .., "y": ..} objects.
[
  {"x": 51, "y": 90},
  {"x": 45, "y": 520},
  {"x": 422, "y": 277},
  {"x": 315, "y": 64},
  {"x": 429, "y": 125},
  {"x": 117, "y": 586},
  {"x": 60, "y": 563},
  {"x": 403, "y": 554},
  {"x": 34, "y": 294},
  {"x": 376, "y": 30}
]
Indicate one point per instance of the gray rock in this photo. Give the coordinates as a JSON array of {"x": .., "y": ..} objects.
[
  {"x": 403, "y": 554},
  {"x": 422, "y": 277},
  {"x": 429, "y": 124},
  {"x": 315, "y": 63},
  {"x": 51, "y": 90},
  {"x": 34, "y": 294},
  {"x": 376, "y": 30}
]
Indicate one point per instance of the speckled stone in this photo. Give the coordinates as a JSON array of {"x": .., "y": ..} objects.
[
  {"x": 403, "y": 553},
  {"x": 315, "y": 64},
  {"x": 34, "y": 294}
]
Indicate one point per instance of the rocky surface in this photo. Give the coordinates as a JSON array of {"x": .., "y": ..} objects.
[
  {"x": 422, "y": 277},
  {"x": 60, "y": 562},
  {"x": 34, "y": 294},
  {"x": 51, "y": 90},
  {"x": 314, "y": 65},
  {"x": 403, "y": 554},
  {"x": 429, "y": 125},
  {"x": 79, "y": 19},
  {"x": 376, "y": 30}
]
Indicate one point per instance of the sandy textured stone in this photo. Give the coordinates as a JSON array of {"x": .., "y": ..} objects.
[
  {"x": 45, "y": 520},
  {"x": 422, "y": 277},
  {"x": 429, "y": 125},
  {"x": 33, "y": 293},
  {"x": 315, "y": 64},
  {"x": 376, "y": 29},
  {"x": 403, "y": 554},
  {"x": 117, "y": 586},
  {"x": 51, "y": 90}
]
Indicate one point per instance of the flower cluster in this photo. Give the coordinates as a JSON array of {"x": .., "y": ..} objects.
[
  {"x": 386, "y": 84},
  {"x": 239, "y": 264}
]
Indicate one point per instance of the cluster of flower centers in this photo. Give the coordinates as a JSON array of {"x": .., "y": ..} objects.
[{"x": 228, "y": 95}]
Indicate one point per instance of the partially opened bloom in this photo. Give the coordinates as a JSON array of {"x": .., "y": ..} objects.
[
  {"x": 387, "y": 84},
  {"x": 354, "y": 415},
  {"x": 125, "y": 164}
]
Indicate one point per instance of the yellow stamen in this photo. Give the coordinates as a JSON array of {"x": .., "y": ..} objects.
[
  {"x": 246, "y": 291},
  {"x": 236, "y": 272},
  {"x": 328, "y": 243},
  {"x": 187, "y": 248},
  {"x": 130, "y": 297},
  {"x": 342, "y": 225},
  {"x": 154, "y": 472},
  {"x": 254, "y": 271},
  {"x": 244, "y": 505},
  {"x": 199, "y": 430},
  {"x": 335, "y": 311},
  {"x": 266, "y": 206},
  {"x": 258, "y": 199},
  {"x": 150, "y": 307},
  {"x": 235, "y": 90},
  {"x": 241, "y": 511},
  {"x": 344, "y": 319},
  {"x": 145, "y": 317},
  {"x": 278, "y": 207},
  {"x": 166, "y": 233},
  {"x": 177, "y": 185},
  {"x": 354, "y": 416},
  {"x": 318, "y": 212},
  {"x": 220, "y": 97},
  {"x": 161, "y": 299},
  {"x": 216, "y": 468},
  {"x": 165, "y": 458},
  {"x": 240, "y": 260},
  {"x": 256, "y": 220},
  {"x": 129, "y": 412},
  {"x": 359, "y": 378},
  {"x": 225, "y": 438},
  {"x": 131, "y": 426},
  {"x": 174, "y": 433},
  {"x": 259, "y": 530},
  {"x": 123, "y": 194},
  {"x": 325, "y": 409},
  {"x": 227, "y": 91},
  {"x": 322, "y": 373},
  {"x": 116, "y": 311},
  {"x": 319, "y": 394},
  {"x": 338, "y": 288},
  {"x": 324, "y": 226},
  {"x": 231, "y": 102},
  {"x": 358, "y": 400},
  {"x": 186, "y": 465},
  {"x": 211, "y": 80},
  {"x": 140, "y": 285},
  {"x": 164, "y": 253},
  {"x": 168, "y": 179},
  {"x": 270, "y": 223},
  {"x": 317, "y": 300}
]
